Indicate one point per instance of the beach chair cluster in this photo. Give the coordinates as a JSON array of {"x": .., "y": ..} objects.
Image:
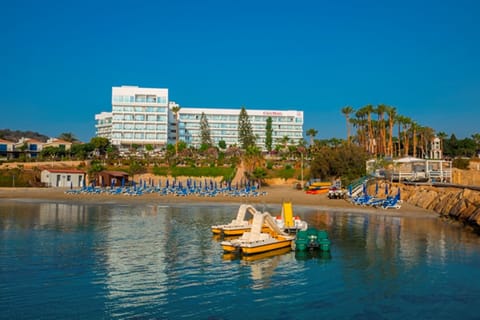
[
  {"x": 387, "y": 202},
  {"x": 190, "y": 187}
]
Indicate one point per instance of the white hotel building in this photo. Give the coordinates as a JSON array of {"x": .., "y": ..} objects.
[{"x": 144, "y": 116}]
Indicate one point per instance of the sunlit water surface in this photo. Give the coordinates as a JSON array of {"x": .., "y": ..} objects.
[{"x": 64, "y": 261}]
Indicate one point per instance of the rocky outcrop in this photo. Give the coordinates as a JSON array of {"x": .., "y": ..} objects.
[{"x": 459, "y": 204}]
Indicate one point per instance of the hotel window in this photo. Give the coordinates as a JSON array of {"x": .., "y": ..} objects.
[{"x": 140, "y": 98}]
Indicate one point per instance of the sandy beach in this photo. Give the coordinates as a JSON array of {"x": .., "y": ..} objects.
[{"x": 274, "y": 195}]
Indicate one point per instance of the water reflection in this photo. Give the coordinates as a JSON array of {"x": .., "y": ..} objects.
[{"x": 157, "y": 261}]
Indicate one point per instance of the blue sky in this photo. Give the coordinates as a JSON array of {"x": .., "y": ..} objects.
[{"x": 59, "y": 59}]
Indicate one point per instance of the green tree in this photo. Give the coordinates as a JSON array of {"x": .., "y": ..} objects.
[
  {"x": 245, "y": 131},
  {"x": 476, "y": 139},
  {"x": 100, "y": 144},
  {"x": 94, "y": 169},
  {"x": 222, "y": 144},
  {"x": 135, "y": 168},
  {"x": 346, "y": 161},
  {"x": 269, "y": 135},
  {"x": 205, "y": 137}
]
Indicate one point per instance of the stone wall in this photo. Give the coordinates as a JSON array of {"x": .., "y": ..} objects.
[{"x": 460, "y": 204}]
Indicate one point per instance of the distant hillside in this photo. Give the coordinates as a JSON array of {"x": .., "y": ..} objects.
[{"x": 14, "y": 136}]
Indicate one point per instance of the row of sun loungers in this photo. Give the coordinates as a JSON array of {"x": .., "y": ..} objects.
[
  {"x": 389, "y": 202},
  {"x": 249, "y": 191},
  {"x": 384, "y": 203}
]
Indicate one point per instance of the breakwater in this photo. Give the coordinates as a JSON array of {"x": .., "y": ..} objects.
[{"x": 461, "y": 204}]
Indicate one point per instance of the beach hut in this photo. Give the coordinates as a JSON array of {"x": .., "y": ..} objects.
[
  {"x": 62, "y": 178},
  {"x": 112, "y": 178}
]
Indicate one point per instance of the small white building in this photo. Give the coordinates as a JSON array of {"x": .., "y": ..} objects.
[
  {"x": 436, "y": 149},
  {"x": 415, "y": 169},
  {"x": 63, "y": 178},
  {"x": 6, "y": 149}
]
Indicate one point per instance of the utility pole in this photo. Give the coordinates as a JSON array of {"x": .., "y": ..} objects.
[{"x": 301, "y": 169}]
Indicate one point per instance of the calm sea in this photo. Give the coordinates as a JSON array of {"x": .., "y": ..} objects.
[{"x": 153, "y": 261}]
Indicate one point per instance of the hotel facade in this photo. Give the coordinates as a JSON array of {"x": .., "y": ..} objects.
[{"x": 145, "y": 116}]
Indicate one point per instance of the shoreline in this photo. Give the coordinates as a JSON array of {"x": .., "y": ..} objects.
[{"x": 275, "y": 195}]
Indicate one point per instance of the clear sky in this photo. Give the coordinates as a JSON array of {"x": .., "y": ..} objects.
[{"x": 59, "y": 59}]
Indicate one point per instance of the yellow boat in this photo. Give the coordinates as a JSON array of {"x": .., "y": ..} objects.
[
  {"x": 239, "y": 225},
  {"x": 267, "y": 254},
  {"x": 255, "y": 241},
  {"x": 287, "y": 222}
]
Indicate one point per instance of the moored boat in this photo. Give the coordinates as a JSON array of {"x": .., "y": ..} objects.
[
  {"x": 239, "y": 225},
  {"x": 255, "y": 241},
  {"x": 288, "y": 222},
  {"x": 312, "y": 239},
  {"x": 318, "y": 187}
]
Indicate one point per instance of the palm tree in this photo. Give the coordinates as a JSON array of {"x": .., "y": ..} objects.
[
  {"x": 284, "y": 141},
  {"x": 405, "y": 122},
  {"x": 426, "y": 135},
  {"x": 252, "y": 159},
  {"x": 360, "y": 122},
  {"x": 414, "y": 127},
  {"x": 175, "y": 110},
  {"x": 381, "y": 110},
  {"x": 347, "y": 111},
  {"x": 311, "y": 133},
  {"x": 67, "y": 136},
  {"x": 392, "y": 112},
  {"x": 367, "y": 111},
  {"x": 442, "y": 136}
]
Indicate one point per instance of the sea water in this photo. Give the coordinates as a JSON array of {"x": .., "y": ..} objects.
[{"x": 157, "y": 261}]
